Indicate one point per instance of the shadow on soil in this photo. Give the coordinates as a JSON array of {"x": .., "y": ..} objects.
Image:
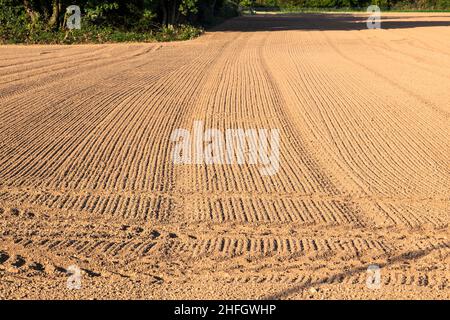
[
  {"x": 405, "y": 257},
  {"x": 322, "y": 22}
]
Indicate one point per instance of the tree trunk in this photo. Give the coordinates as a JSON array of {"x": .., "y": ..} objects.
[
  {"x": 54, "y": 19},
  {"x": 213, "y": 4},
  {"x": 174, "y": 12},
  {"x": 164, "y": 12}
]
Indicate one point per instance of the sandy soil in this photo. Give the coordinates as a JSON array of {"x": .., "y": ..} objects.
[{"x": 86, "y": 176}]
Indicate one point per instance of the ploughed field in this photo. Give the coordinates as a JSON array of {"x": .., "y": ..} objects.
[{"x": 87, "y": 176}]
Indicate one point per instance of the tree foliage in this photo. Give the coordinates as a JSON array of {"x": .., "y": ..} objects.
[
  {"x": 50, "y": 13},
  {"x": 27, "y": 20},
  {"x": 24, "y": 19}
]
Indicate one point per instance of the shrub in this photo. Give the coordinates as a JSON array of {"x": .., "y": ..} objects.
[
  {"x": 174, "y": 33},
  {"x": 13, "y": 22}
]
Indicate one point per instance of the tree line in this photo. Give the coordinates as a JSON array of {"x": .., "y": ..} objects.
[
  {"x": 386, "y": 4},
  {"x": 44, "y": 21},
  {"x": 166, "y": 12}
]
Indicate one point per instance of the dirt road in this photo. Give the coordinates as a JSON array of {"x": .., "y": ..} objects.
[{"x": 87, "y": 176}]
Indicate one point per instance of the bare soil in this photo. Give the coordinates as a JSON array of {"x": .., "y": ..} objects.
[{"x": 87, "y": 179}]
